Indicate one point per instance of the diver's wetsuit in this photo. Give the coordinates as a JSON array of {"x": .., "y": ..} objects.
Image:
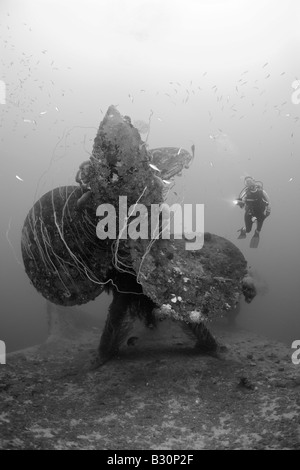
[{"x": 255, "y": 206}]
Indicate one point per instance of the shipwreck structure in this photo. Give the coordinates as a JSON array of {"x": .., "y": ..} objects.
[{"x": 153, "y": 279}]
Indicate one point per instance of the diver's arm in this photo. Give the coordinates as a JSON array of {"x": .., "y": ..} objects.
[
  {"x": 243, "y": 195},
  {"x": 266, "y": 199},
  {"x": 79, "y": 180},
  {"x": 77, "y": 177}
]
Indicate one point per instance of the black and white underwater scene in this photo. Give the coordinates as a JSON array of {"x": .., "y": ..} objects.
[{"x": 150, "y": 262}]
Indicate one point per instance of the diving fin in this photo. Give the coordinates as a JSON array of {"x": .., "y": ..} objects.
[
  {"x": 242, "y": 233},
  {"x": 254, "y": 240}
]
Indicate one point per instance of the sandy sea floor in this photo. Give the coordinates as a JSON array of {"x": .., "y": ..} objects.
[{"x": 158, "y": 394}]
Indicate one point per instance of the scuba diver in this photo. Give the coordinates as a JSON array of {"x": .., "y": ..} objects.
[
  {"x": 83, "y": 178},
  {"x": 257, "y": 207}
]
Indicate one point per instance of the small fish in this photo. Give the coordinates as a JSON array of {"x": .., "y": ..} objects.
[
  {"x": 167, "y": 182},
  {"x": 43, "y": 112},
  {"x": 265, "y": 65},
  {"x": 159, "y": 119},
  {"x": 154, "y": 167},
  {"x": 179, "y": 151},
  {"x": 18, "y": 178},
  {"x": 193, "y": 150},
  {"x": 27, "y": 120},
  {"x": 56, "y": 108},
  {"x": 291, "y": 179}
]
